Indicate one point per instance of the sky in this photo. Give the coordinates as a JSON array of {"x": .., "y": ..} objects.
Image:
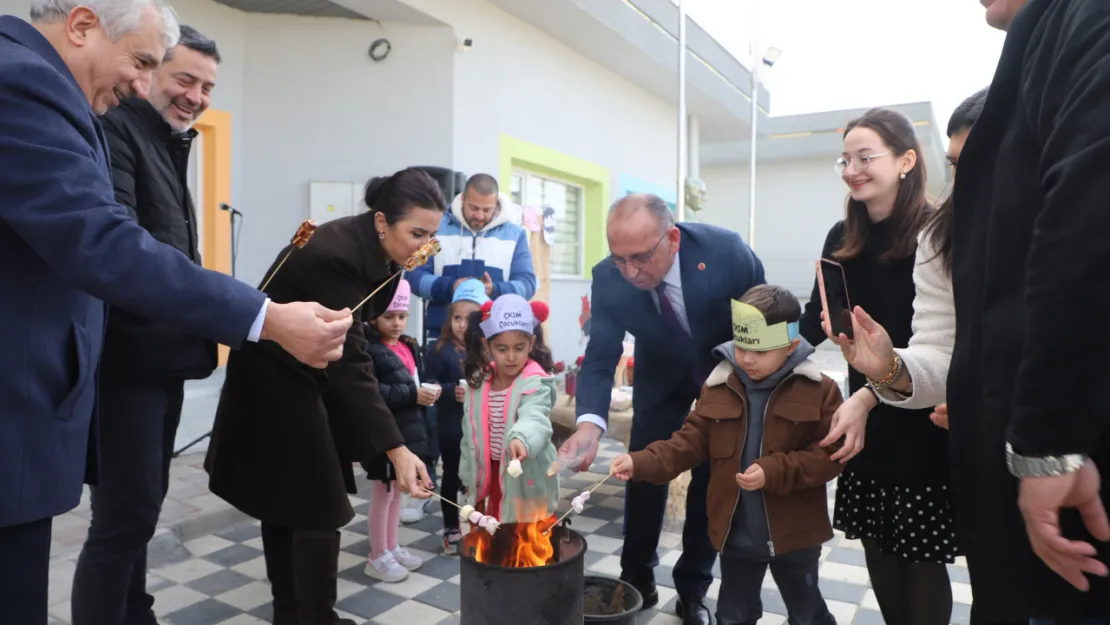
[{"x": 857, "y": 53}]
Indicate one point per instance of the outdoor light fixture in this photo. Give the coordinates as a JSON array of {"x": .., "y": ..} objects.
[{"x": 771, "y": 56}]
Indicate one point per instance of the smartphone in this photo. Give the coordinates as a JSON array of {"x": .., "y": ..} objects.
[
  {"x": 472, "y": 268},
  {"x": 834, "y": 297}
]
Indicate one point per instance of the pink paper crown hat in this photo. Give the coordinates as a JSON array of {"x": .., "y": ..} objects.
[{"x": 400, "y": 301}]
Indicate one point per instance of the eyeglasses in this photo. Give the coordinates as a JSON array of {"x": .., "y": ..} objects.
[
  {"x": 638, "y": 260},
  {"x": 861, "y": 162}
]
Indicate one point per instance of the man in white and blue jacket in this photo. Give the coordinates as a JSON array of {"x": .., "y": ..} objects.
[{"x": 477, "y": 241}]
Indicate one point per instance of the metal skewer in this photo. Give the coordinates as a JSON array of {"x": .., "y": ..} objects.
[{"x": 567, "y": 513}]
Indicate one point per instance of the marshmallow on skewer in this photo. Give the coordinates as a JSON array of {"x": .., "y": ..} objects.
[
  {"x": 585, "y": 496},
  {"x": 474, "y": 517},
  {"x": 514, "y": 469},
  {"x": 491, "y": 525},
  {"x": 577, "y": 505},
  {"x": 466, "y": 511},
  {"x": 484, "y": 521}
]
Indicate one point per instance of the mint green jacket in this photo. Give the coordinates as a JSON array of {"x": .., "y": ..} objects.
[{"x": 528, "y": 405}]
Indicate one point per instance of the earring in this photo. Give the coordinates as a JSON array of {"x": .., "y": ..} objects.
[
  {"x": 903, "y": 175},
  {"x": 381, "y": 235}
]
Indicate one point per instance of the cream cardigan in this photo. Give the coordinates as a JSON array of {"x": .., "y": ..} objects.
[{"x": 929, "y": 351}]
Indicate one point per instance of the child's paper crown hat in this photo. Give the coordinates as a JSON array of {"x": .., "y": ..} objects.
[
  {"x": 400, "y": 301},
  {"x": 512, "y": 312},
  {"x": 751, "y": 332},
  {"x": 471, "y": 290}
]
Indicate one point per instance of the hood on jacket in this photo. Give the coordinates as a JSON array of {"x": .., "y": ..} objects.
[
  {"x": 506, "y": 212},
  {"x": 799, "y": 363}
]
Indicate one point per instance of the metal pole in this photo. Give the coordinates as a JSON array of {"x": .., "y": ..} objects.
[
  {"x": 680, "y": 201},
  {"x": 757, "y": 61}
]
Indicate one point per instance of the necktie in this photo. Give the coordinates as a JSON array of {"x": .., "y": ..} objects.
[{"x": 666, "y": 309}]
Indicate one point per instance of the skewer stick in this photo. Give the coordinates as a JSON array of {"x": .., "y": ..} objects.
[
  {"x": 567, "y": 513},
  {"x": 419, "y": 257},
  {"x": 299, "y": 240},
  {"x": 444, "y": 499},
  {"x": 271, "y": 277},
  {"x": 375, "y": 291}
]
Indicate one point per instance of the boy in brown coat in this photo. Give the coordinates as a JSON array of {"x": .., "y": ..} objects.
[{"x": 760, "y": 417}]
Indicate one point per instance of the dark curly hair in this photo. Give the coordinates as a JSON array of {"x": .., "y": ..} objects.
[{"x": 477, "y": 367}]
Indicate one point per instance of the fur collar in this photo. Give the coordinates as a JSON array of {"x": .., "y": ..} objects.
[{"x": 723, "y": 370}]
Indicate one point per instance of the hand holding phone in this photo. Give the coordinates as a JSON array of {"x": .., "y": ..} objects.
[{"x": 837, "y": 308}]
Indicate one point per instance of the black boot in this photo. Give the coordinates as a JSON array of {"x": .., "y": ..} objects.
[
  {"x": 316, "y": 563},
  {"x": 277, "y": 547}
]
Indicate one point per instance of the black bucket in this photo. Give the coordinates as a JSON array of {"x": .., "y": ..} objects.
[
  {"x": 548, "y": 595},
  {"x": 602, "y": 605}
]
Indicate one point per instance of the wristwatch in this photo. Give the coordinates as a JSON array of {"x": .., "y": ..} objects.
[{"x": 1042, "y": 466}]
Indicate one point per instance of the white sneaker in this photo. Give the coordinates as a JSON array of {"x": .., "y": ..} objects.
[
  {"x": 412, "y": 509},
  {"x": 386, "y": 568},
  {"x": 406, "y": 558}
]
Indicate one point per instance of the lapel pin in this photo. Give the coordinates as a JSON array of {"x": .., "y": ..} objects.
[{"x": 701, "y": 266}]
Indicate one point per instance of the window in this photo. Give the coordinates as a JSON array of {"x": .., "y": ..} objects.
[{"x": 566, "y": 200}]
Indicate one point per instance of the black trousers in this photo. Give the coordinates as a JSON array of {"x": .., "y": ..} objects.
[
  {"x": 795, "y": 575},
  {"x": 25, "y": 572},
  {"x": 647, "y": 503},
  {"x": 138, "y": 424},
  {"x": 450, "y": 449},
  {"x": 303, "y": 569}
]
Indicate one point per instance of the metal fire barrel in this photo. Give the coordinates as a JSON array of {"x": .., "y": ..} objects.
[{"x": 548, "y": 595}]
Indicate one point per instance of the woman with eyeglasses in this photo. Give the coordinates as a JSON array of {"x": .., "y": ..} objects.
[{"x": 894, "y": 493}]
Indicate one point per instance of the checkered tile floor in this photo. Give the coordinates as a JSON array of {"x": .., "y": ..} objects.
[{"x": 222, "y": 578}]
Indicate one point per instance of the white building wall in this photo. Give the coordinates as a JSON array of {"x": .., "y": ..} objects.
[
  {"x": 518, "y": 81},
  {"x": 797, "y": 202}
]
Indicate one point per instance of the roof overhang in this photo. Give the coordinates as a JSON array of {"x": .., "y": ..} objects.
[
  {"x": 815, "y": 135},
  {"x": 380, "y": 10},
  {"x": 637, "y": 40}
]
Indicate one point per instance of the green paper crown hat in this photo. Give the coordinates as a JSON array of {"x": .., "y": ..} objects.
[{"x": 751, "y": 332}]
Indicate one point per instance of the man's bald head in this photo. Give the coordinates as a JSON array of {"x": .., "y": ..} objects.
[
  {"x": 643, "y": 239},
  {"x": 646, "y": 202}
]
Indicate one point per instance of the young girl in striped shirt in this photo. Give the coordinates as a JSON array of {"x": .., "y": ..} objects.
[{"x": 506, "y": 444}]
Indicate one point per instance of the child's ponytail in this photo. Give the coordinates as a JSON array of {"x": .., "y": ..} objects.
[
  {"x": 476, "y": 365},
  {"x": 541, "y": 353}
]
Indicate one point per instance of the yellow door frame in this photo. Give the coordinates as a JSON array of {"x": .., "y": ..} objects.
[{"x": 215, "y": 127}]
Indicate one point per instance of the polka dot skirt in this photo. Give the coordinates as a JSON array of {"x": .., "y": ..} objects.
[{"x": 913, "y": 522}]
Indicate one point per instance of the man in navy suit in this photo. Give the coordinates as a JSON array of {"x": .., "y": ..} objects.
[
  {"x": 677, "y": 306},
  {"x": 67, "y": 249}
]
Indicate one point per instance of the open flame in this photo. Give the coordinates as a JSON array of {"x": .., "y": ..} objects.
[{"x": 516, "y": 545}]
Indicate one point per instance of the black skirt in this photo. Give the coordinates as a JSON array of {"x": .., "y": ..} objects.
[{"x": 915, "y": 522}]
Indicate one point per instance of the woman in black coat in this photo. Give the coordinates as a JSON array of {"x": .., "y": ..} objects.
[{"x": 286, "y": 435}]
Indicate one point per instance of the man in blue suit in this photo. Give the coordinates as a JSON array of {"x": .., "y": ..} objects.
[
  {"x": 677, "y": 306},
  {"x": 67, "y": 250}
]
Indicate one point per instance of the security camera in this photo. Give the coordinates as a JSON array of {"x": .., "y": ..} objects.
[{"x": 465, "y": 44}]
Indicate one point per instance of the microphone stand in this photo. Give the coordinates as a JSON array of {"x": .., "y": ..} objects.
[{"x": 234, "y": 257}]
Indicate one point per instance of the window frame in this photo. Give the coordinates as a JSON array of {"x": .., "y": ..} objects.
[{"x": 525, "y": 175}]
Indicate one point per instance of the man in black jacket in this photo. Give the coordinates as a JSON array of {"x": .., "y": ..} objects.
[
  {"x": 145, "y": 363},
  {"x": 1029, "y": 276}
]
